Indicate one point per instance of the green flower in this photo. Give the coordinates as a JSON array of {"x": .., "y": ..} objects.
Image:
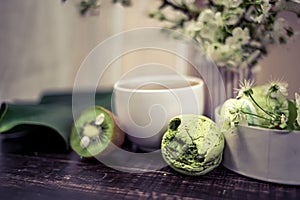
[
  {"x": 245, "y": 89},
  {"x": 218, "y": 52},
  {"x": 265, "y": 106},
  {"x": 277, "y": 89},
  {"x": 233, "y": 33},
  {"x": 239, "y": 37},
  {"x": 210, "y": 26},
  {"x": 233, "y": 16}
]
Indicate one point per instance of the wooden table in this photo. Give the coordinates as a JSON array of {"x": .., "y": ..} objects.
[{"x": 30, "y": 170}]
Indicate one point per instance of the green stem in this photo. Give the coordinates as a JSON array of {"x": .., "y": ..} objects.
[
  {"x": 247, "y": 113},
  {"x": 259, "y": 106}
]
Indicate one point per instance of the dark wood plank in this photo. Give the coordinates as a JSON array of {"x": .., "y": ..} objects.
[
  {"x": 63, "y": 175},
  {"x": 37, "y": 176}
]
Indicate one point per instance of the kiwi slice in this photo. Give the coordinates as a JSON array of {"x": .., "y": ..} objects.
[{"x": 93, "y": 131}]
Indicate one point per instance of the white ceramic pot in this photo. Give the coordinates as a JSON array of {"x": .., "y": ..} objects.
[{"x": 264, "y": 154}]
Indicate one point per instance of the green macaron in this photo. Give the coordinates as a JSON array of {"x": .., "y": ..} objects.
[{"x": 192, "y": 145}]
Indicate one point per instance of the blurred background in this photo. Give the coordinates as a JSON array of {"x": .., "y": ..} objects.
[{"x": 43, "y": 44}]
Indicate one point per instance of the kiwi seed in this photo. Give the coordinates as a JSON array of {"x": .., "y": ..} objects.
[
  {"x": 94, "y": 131},
  {"x": 100, "y": 119},
  {"x": 85, "y": 141}
]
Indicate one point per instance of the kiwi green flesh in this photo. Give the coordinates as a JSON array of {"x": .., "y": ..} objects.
[
  {"x": 97, "y": 143},
  {"x": 189, "y": 152}
]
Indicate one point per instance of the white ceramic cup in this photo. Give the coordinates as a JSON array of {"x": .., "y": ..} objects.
[{"x": 143, "y": 106}]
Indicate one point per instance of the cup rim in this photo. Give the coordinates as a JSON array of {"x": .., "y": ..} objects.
[{"x": 119, "y": 84}]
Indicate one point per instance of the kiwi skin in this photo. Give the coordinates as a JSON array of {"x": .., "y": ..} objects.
[{"x": 116, "y": 137}]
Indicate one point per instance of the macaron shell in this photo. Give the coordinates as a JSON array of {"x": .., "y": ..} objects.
[{"x": 195, "y": 147}]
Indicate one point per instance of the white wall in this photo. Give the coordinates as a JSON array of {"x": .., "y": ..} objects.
[
  {"x": 44, "y": 42},
  {"x": 282, "y": 62}
]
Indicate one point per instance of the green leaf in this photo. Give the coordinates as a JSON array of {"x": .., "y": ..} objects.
[
  {"x": 53, "y": 112},
  {"x": 55, "y": 117},
  {"x": 292, "y": 115}
]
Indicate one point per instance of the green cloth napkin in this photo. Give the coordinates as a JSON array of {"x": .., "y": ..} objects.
[{"x": 54, "y": 111}]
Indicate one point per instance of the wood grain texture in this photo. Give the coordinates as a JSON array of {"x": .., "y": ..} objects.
[{"x": 63, "y": 175}]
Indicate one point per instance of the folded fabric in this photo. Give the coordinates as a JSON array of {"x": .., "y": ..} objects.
[{"x": 54, "y": 111}]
